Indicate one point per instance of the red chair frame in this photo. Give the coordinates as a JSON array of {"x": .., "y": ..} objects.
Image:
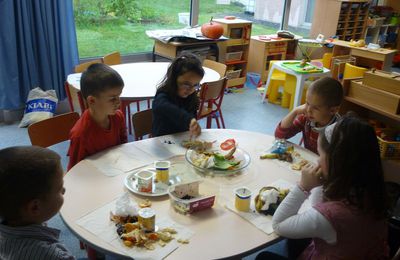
[{"x": 211, "y": 96}]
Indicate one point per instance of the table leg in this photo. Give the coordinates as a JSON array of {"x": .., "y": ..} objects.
[
  {"x": 387, "y": 63},
  {"x": 154, "y": 55},
  {"x": 267, "y": 83},
  {"x": 299, "y": 90}
]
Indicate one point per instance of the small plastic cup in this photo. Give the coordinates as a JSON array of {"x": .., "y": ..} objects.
[
  {"x": 145, "y": 181},
  {"x": 242, "y": 199},
  {"x": 162, "y": 171}
]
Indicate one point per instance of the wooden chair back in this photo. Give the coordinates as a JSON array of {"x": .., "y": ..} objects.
[
  {"x": 213, "y": 90},
  {"x": 76, "y": 100},
  {"x": 142, "y": 122},
  {"x": 113, "y": 58},
  {"x": 53, "y": 130},
  {"x": 83, "y": 66},
  {"x": 217, "y": 66}
]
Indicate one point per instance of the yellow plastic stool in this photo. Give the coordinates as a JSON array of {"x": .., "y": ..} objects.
[
  {"x": 326, "y": 60},
  {"x": 351, "y": 71},
  {"x": 277, "y": 79},
  {"x": 289, "y": 90}
]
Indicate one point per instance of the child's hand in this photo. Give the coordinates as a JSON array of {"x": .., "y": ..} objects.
[
  {"x": 301, "y": 109},
  {"x": 311, "y": 177},
  {"x": 194, "y": 128}
]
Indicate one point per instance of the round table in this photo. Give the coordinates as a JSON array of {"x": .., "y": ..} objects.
[
  {"x": 218, "y": 232},
  {"x": 141, "y": 78}
]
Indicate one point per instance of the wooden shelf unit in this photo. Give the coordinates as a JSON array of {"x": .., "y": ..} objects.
[
  {"x": 263, "y": 51},
  {"x": 346, "y": 19},
  {"x": 238, "y": 31}
]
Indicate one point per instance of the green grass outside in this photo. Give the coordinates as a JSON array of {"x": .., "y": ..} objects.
[{"x": 126, "y": 37}]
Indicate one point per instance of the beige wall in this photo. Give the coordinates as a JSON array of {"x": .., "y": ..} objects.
[{"x": 272, "y": 11}]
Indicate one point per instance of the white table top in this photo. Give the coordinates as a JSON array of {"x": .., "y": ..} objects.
[
  {"x": 218, "y": 232},
  {"x": 141, "y": 78}
]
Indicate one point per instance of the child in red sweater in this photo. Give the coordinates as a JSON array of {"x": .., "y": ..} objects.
[
  {"x": 323, "y": 100},
  {"x": 102, "y": 125}
]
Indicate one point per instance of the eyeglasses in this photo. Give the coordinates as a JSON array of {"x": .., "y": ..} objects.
[{"x": 187, "y": 86}]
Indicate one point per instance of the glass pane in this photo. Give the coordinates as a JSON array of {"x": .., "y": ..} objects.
[
  {"x": 266, "y": 15},
  {"x": 300, "y": 17},
  {"x": 119, "y": 25}
]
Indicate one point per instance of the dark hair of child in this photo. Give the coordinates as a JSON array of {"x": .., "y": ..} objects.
[
  {"x": 186, "y": 62},
  {"x": 26, "y": 173},
  {"x": 98, "y": 78},
  {"x": 329, "y": 89},
  {"x": 354, "y": 166}
]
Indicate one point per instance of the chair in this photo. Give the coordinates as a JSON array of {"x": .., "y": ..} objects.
[
  {"x": 277, "y": 79},
  {"x": 113, "y": 58},
  {"x": 217, "y": 66},
  {"x": 352, "y": 71},
  {"x": 289, "y": 90},
  {"x": 211, "y": 95},
  {"x": 52, "y": 131},
  {"x": 83, "y": 66},
  {"x": 75, "y": 99},
  {"x": 327, "y": 59},
  {"x": 142, "y": 122}
]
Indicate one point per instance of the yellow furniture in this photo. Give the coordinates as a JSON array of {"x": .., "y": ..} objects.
[
  {"x": 327, "y": 59},
  {"x": 113, "y": 58},
  {"x": 277, "y": 79},
  {"x": 83, "y": 66},
  {"x": 289, "y": 90},
  {"x": 351, "y": 71}
]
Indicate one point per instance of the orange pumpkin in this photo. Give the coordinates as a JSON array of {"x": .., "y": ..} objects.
[{"x": 212, "y": 30}]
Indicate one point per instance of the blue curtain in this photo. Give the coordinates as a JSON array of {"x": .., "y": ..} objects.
[{"x": 38, "y": 47}]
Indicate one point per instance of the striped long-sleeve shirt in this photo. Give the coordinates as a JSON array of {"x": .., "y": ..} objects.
[
  {"x": 310, "y": 132},
  {"x": 31, "y": 242}
]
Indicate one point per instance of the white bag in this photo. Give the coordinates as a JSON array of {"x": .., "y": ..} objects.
[{"x": 39, "y": 106}]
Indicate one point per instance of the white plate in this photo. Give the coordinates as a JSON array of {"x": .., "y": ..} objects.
[{"x": 159, "y": 188}]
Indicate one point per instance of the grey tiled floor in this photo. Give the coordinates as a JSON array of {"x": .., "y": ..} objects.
[{"x": 240, "y": 110}]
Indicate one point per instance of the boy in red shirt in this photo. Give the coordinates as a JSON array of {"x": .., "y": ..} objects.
[
  {"x": 102, "y": 125},
  {"x": 323, "y": 100}
]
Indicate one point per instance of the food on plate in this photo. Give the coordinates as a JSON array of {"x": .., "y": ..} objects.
[
  {"x": 268, "y": 199},
  {"x": 287, "y": 157},
  {"x": 215, "y": 160},
  {"x": 197, "y": 145},
  {"x": 132, "y": 233},
  {"x": 228, "y": 144},
  {"x": 284, "y": 151},
  {"x": 299, "y": 166},
  {"x": 145, "y": 203},
  {"x": 183, "y": 241}
]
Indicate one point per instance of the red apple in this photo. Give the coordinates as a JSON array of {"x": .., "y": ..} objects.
[{"x": 212, "y": 30}]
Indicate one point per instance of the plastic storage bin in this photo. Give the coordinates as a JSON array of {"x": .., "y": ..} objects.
[
  {"x": 233, "y": 74},
  {"x": 233, "y": 56}
]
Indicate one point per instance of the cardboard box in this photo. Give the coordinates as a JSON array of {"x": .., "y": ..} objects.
[
  {"x": 383, "y": 80},
  {"x": 374, "y": 97}
]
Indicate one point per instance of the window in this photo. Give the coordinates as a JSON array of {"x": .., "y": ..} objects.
[
  {"x": 120, "y": 25},
  {"x": 266, "y": 15}
]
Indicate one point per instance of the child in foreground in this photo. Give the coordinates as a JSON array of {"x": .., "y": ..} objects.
[
  {"x": 348, "y": 220},
  {"x": 31, "y": 192}
]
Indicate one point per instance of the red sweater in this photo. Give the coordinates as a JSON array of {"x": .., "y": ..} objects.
[
  {"x": 302, "y": 124},
  {"x": 88, "y": 138}
]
